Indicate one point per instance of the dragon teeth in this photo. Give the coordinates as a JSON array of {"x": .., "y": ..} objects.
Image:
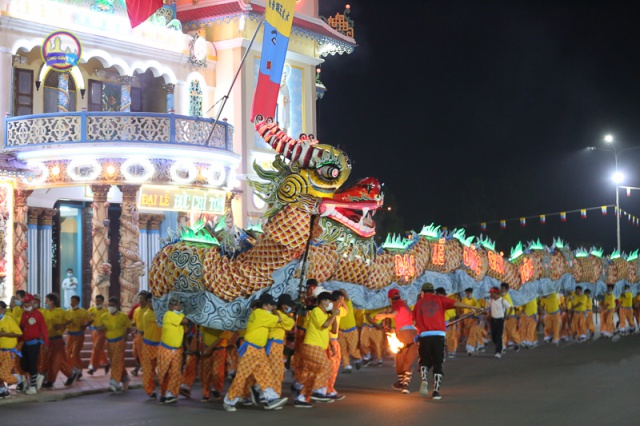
[{"x": 328, "y": 211}]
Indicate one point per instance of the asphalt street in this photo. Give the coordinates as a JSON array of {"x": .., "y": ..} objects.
[{"x": 592, "y": 383}]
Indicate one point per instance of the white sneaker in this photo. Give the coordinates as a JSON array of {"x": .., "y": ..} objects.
[
  {"x": 424, "y": 389},
  {"x": 39, "y": 381},
  {"x": 31, "y": 391},
  {"x": 229, "y": 407},
  {"x": 498, "y": 355}
]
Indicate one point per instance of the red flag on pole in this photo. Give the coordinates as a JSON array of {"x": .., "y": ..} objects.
[{"x": 140, "y": 10}]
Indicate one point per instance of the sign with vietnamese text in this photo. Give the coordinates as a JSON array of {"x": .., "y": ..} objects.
[{"x": 167, "y": 198}]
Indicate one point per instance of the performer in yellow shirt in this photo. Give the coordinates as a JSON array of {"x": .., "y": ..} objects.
[
  {"x": 253, "y": 357},
  {"x": 16, "y": 313},
  {"x": 511, "y": 335},
  {"x": 151, "y": 335},
  {"x": 138, "y": 313},
  {"x": 170, "y": 351},
  {"x": 627, "y": 323},
  {"x": 551, "y": 318},
  {"x": 98, "y": 354},
  {"x": 79, "y": 318},
  {"x": 57, "y": 320},
  {"x": 529, "y": 322},
  {"x": 636, "y": 309},
  {"x": 115, "y": 325},
  {"x": 591, "y": 328},
  {"x": 9, "y": 333},
  {"x": 348, "y": 338},
  {"x": 579, "y": 318},
  {"x": 467, "y": 323},
  {"x": 372, "y": 338},
  {"x": 213, "y": 362},
  {"x": 607, "y": 310},
  {"x": 565, "y": 321},
  {"x": 334, "y": 352}
]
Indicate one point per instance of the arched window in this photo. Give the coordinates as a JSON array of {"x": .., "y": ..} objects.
[
  {"x": 55, "y": 95},
  {"x": 195, "y": 99}
]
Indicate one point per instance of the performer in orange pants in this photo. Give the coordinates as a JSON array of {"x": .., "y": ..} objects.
[
  {"x": 57, "y": 360},
  {"x": 170, "y": 351},
  {"x": 316, "y": 370},
  {"x": 348, "y": 340},
  {"x": 74, "y": 347},
  {"x": 116, "y": 326},
  {"x": 253, "y": 363},
  {"x": 191, "y": 365},
  {"x": 334, "y": 367},
  {"x": 475, "y": 341},
  {"x": 212, "y": 372},
  {"x": 98, "y": 354},
  {"x": 115, "y": 349},
  {"x": 149, "y": 364},
  {"x": 452, "y": 339},
  {"x": 169, "y": 369},
  {"x": 7, "y": 361},
  {"x": 552, "y": 327},
  {"x": 371, "y": 342}
]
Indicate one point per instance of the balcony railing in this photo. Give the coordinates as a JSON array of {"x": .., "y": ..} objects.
[{"x": 28, "y": 132}]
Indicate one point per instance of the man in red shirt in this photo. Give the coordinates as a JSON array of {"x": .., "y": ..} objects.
[
  {"x": 34, "y": 334},
  {"x": 428, "y": 315}
]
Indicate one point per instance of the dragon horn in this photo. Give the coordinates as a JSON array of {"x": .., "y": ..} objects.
[{"x": 302, "y": 151}]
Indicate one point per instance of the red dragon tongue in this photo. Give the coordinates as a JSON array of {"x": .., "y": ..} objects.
[{"x": 365, "y": 189}]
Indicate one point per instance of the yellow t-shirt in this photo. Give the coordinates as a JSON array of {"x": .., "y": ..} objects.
[
  {"x": 349, "y": 321},
  {"x": 469, "y": 301},
  {"x": 589, "y": 304},
  {"x": 95, "y": 313},
  {"x": 172, "y": 330},
  {"x": 16, "y": 313},
  {"x": 116, "y": 325},
  {"x": 218, "y": 338},
  {"x": 278, "y": 332},
  {"x": 372, "y": 313},
  {"x": 579, "y": 303},
  {"x": 342, "y": 314},
  {"x": 360, "y": 317},
  {"x": 511, "y": 311},
  {"x": 609, "y": 301},
  {"x": 138, "y": 313},
  {"x": 258, "y": 327},
  {"x": 316, "y": 335},
  {"x": 9, "y": 325},
  {"x": 152, "y": 332},
  {"x": 78, "y": 317},
  {"x": 550, "y": 303},
  {"x": 530, "y": 309},
  {"x": 626, "y": 299},
  {"x": 53, "y": 317}
]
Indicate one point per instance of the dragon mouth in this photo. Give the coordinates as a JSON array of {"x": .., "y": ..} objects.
[{"x": 357, "y": 216}]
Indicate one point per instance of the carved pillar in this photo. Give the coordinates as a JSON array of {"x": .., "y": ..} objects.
[
  {"x": 131, "y": 265},
  {"x": 143, "y": 222},
  {"x": 183, "y": 219},
  {"x": 63, "y": 92},
  {"x": 45, "y": 252},
  {"x": 170, "y": 88},
  {"x": 20, "y": 244},
  {"x": 101, "y": 268},
  {"x": 125, "y": 92},
  {"x": 32, "y": 250},
  {"x": 154, "y": 235}
]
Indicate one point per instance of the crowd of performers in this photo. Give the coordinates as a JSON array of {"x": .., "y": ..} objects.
[{"x": 315, "y": 340}]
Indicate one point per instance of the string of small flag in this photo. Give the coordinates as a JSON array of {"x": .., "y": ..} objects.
[{"x": 563, "y": 217}]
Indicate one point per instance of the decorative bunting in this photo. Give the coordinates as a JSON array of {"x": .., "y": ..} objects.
[
  {"x": 604, "y": 210},
  {"x": 583, "y": 213},
  {"x": 563, "y": 216},
  {"x": 483, "y": 226},
  {"x": 503, "y": 224},
  {"x": 543, "y": 219},
  {"x": 523, "y": 221}
]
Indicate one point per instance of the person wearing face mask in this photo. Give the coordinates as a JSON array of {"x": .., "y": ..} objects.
[
  {"x": 335, "y": 354},
  {"x": 253, "y": 358},
  {"x": 275, "y": 340},
  {"x": 136, "y": 316},
  {"x": 607, "y": 309},
  {"x": 36, "y": 340},
  {"x": 627, "y": 323},
  {"x": 170, "y": 352},
  {"x": 16, "y": 314},
  {"x": 70, "y": 287},
  {"x": 316, "y": 368},
  {"x": 116, "y": 325},
  {"x": 98, "y": 354},
  {"x": 57, "y": 320},
  {"x": 79, "y": 318},
  {"x": 9, "y": 333}
]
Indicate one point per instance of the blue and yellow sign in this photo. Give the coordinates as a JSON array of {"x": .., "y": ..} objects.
[{"x": 61, "y": 50}]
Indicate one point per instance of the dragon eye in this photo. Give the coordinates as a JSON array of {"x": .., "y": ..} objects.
[{"x": 329, "y": 171}]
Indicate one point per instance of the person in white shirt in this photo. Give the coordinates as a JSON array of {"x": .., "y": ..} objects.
[
  {"x": 70, "y": 287},
  {"x": 497, "y": 309}
]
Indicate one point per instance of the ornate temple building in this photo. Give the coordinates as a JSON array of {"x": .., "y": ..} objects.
[{"x": 113, "y": 135}]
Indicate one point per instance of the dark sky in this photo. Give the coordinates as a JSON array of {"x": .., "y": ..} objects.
[{"x": 473, "y": 111}]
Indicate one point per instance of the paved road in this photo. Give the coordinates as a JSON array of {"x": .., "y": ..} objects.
[{"x": 593, "y": 383}]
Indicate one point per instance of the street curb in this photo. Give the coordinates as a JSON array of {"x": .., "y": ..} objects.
[{"x": 51, "y": 396}]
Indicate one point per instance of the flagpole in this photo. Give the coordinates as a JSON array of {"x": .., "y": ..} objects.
[{"x": 226, "y": 97}]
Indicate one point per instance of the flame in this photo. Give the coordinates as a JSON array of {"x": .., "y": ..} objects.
[{"x": 394, "y": 344}]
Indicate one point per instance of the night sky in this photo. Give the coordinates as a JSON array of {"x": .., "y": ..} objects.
[{"x": 473, "y": 111}]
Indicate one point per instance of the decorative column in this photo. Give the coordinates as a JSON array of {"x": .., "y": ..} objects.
[
  {"x": 183, "y": 219},
  {"x": 131, "y": 265},
  {"x": 170, "y": 88},
  {"x": 143, "y": 222},
  {"x": 154, "y": 235},
  {"x": 32, "y": 249},
  {"x": 125, "y": 92},
  {"x": 101, "y": 268},
  {"x": 45, "y": 252},
  {"x": 63, "y": 92},
  {"x": 20, "y": 244}
]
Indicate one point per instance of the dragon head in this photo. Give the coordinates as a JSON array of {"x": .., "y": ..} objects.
[{"x": 311, "y": 180}]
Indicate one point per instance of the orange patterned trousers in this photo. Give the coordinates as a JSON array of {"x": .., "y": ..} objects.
[
  {"x": 552, "y": 326},
  {"x": 57, "y": 360},
  {"x": 116, "y": 356},
  {"x": 579, "y": 324},
  {"x": 296, "y": 362},
  {"x": 626, "y": 318},
  {"x": 137, "y": 346},
  {"x": 348, "y": 346},
  {"x": 191, "y": 365},
  {"x": 254, "y": 363},
  {"x": 7, "y": 361},
  {"x": 212, "y": 369},
  {"x": 169, "y": 370},
  {"x": 452, "y": 338},
  {"x": 511, "y": 332},
  {"x": 149, "y": 361},
  {"x": 74, "y": 346},
  {"x": 528, "y": 330},
  {"x": 371, "y": 342},
  {"x": 334, "y": 364},
  {"x": 98, "y": 355},
  {"x": 316, "y": 369},
  {"x": 17, "y": 366}
]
